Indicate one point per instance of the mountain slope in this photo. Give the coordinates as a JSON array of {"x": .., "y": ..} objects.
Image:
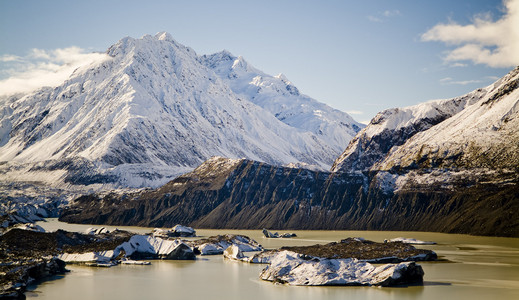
[
  {"x": 393, "y": 127},
  {"x": 482, "y": 136},
  {"x": 280, "y": 97},
  {"x": 146, "y": 113}
]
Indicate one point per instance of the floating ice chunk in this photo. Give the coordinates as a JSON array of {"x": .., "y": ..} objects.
[
  {"x": 296, "y": 269},
  {"x": 410, "y": 241}
]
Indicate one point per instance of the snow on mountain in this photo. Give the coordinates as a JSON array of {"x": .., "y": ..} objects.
[
  {"x": 279, "y": 96},
  {"x": 442, "y": 144},
  {"x": 484, "y": 135},
  {"x": 150, "y": 110},
  {"x": 393, "y": 127}
]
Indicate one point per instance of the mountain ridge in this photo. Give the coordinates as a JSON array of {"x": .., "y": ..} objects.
[{"x": 148, "y": 112}]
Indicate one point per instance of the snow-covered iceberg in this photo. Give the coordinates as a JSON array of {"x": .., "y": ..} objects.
[
  {"x": 296, "y": 269},
  {"x": 233, "y": 252},
  {"x": 88, "y": 257},
  {"x": 95, "y": 231},
  {"x": 176, "y": 231},
  {"x": 269, "y": 234},
  {"x": 30, "y": 227},
  {"x": 410, "y": 241},
  {"x": 144, "y": 246},
  {"x": 217, "y": 244}
]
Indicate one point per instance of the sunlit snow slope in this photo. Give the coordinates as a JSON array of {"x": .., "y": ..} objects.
[{"x": 150, "y": 110}]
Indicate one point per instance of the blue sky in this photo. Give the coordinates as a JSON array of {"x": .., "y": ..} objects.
[{"x": 357, "y": 56}]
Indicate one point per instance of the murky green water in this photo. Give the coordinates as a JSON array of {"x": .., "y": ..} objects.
[{"x": 479, "y": 268}]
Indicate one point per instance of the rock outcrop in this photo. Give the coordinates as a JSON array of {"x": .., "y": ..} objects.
[
  {"x": 14, "y": 280},
  {"x": 367, "y": 251}
]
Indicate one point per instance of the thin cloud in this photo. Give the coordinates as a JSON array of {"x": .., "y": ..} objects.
[
  {"x": 354, "y": 112},
  {"x": 451, "y": 81},
  {"x": 374, "y": 19},
  {"x": 383, "y": 16},
  {"x": 458, "y": 65},
  {"x": 391, "y": 13},
  {"x": 43, "y": 68},
  {"x": 488, "y": 42}
]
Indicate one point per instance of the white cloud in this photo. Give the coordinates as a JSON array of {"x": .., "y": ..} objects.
[
  {"x": 493, "y": 43},
  {"x": 43, "y": 68},
  {"x": 9, "y": 58}
]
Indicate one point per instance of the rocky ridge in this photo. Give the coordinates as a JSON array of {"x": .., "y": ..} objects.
[{"x": 254, "y": 195}]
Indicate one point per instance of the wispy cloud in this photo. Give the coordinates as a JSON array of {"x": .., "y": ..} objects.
[
  {"x": 42, "y": 68},
  {"x": 354, "y": 112},
  {"x": 391, "y": 13},
  {"x": 485, "y": 41},
  {"x": 458, "y": 65},
  {"x": 9, "y": 58},
  {"x": 381, "y": 17},
  {"x": 451, "y": 81},
  {"x": 375, "y": 19}
]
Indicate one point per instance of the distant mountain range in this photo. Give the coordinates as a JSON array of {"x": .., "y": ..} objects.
[
  {"x": 154, "y": 109},
  {"x": 449, "y": 165}
]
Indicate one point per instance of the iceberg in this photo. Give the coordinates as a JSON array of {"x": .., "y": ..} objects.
[{"x": 296, "y": 269}]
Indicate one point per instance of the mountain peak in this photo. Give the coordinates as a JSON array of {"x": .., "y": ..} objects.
[
  {"x": 282, "y": 77},
  {"x": 164, "y": 36}
]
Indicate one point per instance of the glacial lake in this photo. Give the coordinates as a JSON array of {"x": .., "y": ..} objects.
[{"x": 477, "y": 268}]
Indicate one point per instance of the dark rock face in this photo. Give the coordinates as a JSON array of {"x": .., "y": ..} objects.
[
  {"x": 363, "y": 152},
  {"x": 253, "y": 195}
]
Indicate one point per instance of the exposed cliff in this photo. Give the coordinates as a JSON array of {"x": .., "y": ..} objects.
[{"x": 248, "y": 194}]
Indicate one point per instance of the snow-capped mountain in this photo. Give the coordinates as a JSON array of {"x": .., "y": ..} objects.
[
  {"x": 393, "y": 127},
  {"x": 149, "y": 111},
  {"x": 455, "y": 142},
  {"x": 484, "y": 135},
  {"x": 280, "y": 97}
]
